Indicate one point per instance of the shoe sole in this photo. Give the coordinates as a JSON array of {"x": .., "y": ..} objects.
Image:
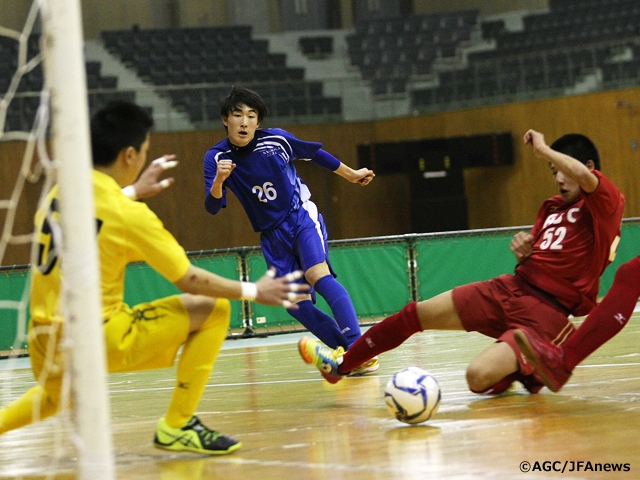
[
  {"x": 532, "y": 357},
  {"x": 183, "y": 448},
  {"x": 330, "y": 378}
]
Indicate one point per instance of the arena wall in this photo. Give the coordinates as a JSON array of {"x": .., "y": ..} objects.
[{"x": 497, "y": 196}]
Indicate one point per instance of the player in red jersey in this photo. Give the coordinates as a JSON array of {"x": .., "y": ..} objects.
[
  {"x": 553, "y": 363},
  {"x": 559, "y": 264}
]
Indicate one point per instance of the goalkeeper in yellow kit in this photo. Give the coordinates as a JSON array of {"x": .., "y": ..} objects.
[{"x": 148, "y": 335}]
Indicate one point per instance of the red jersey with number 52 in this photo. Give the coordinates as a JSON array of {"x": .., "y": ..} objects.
[{"x": 573, "y": 244}]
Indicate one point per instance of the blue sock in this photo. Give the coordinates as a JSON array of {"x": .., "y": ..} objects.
[
  {"x": 340, "y": 303},
  {"x": 320, "y": 324}
]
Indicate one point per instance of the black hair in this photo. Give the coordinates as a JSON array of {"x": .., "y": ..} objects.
[
  {"x": 243, "y": 96},
  {"x": 579, "y": 147},
  {"x": 118, "y": 125}
]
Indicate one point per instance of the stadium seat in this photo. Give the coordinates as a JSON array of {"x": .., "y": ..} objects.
[{"x": 316, "y": 47}]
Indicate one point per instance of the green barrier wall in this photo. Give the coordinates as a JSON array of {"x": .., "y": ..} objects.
[
  {"x": 445, "y": 262},
  {"x": 375, "y": 275},
  {"x": 13, "y": 286},
  {"x": 628, "y": 249},
  {"x": 381, "y": 275}
]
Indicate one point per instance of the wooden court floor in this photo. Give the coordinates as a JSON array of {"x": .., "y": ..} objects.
[{"x": 293, "y": 425}]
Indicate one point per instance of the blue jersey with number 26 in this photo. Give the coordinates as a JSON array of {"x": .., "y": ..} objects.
[{"x": 265, "y": 179}]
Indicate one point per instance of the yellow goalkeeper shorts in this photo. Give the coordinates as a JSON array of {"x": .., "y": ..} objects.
[{"x": 147, "y": 335}]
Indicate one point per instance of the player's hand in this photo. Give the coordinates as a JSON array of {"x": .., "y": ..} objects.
[
  {"x": 148, "y": 184},
  {"x": 281, "y": 291},
  {"x": 536, "y": 140},
  {"x": 225, "y": 167},
  {"x": 522, "y": 245},
  {"x": 363, "y": 176}
]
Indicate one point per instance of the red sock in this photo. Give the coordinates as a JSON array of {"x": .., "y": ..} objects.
[
  {"x": 383, "y": 336},
  {"x": 606, "y": 319}
]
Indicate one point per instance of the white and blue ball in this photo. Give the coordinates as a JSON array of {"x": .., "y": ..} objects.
[{"x": 412, "y": 395}]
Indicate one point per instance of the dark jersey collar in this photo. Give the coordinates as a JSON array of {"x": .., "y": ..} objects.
[{"x": 247, "y": 149}]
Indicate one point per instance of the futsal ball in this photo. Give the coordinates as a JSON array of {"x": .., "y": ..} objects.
[{"x": 412, "y": 395}]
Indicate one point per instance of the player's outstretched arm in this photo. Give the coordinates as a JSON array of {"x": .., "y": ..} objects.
[
  {"x": 362, "y": 176},
  {"x": 148, "y": 184},
  {"x": 269, "y": 290}
]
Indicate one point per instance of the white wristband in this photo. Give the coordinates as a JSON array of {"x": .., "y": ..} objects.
[
  {"x": 249, "y": 291},
  {"x": 130, "y": 191}
]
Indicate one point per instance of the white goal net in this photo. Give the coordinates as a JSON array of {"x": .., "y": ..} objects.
[{"x": 44, "y": 139}]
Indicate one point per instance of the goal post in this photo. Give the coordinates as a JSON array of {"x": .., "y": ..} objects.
[{"x": 65, "y": 79}]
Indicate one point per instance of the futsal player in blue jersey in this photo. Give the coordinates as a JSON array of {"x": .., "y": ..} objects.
[{"x": 257, "y": 166}]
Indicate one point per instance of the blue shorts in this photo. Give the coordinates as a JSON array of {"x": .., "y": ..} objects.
[{"x": 298, "y": 243}]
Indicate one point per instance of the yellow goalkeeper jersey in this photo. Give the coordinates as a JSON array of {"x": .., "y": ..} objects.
[{"x": 128, "y": 231}]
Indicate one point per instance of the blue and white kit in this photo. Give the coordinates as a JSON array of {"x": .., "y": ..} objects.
[{"x": 293, "y": 235}]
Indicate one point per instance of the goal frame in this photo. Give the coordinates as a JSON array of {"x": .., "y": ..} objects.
[{"x": 62, "y": 45}]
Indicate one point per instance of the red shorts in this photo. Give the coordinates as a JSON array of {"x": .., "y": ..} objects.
[{"x": 498, "y": 306}]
